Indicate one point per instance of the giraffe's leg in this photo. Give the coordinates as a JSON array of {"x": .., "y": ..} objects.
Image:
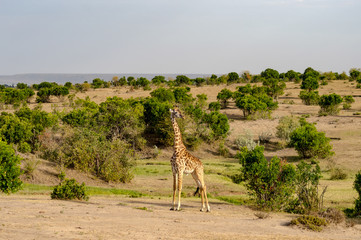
[
  {"x": 198, "y": 177},
  {"x": 174, "y": 190},
  {"x": 205, "y": 196},
  {"x": 180, "y": 180}
]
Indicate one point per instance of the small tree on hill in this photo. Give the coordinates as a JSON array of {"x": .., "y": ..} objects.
[{"x": 275, "y": 87}]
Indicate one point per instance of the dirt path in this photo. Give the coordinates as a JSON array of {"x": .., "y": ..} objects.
[{"x": 38, "y": 217}]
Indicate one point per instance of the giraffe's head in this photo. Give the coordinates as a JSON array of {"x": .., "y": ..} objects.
[{"x": 176, "y": 113}]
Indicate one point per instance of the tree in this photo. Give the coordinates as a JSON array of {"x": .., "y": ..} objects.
[
  {"x": 9, "y": 169},
  {"x": 233, "y": 77},
  {"x": 308, "y": 142},
  {"x": 355, "y": 74},
  {"x": 182, "y": 95},
  {"x": 275, "y": 87},
  {"x": 218, "y": 122},
  {"x": 163, "y": 95},
  {"x": 223, "y": 96},
  {"x": 199, "y": 81},
  {"x": 310, "y": 84},
  {"x": 292, "y": 76},
  {"x": 270, "y": 73},
  {"x": 330, "y": 104},
  {"x": 310, "y": 72},
  {"x": 182, "y": 80},
  {"x": 158, "y": 80}
]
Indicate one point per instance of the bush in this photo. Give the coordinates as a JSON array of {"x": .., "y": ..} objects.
[
  {"x": 163, "y": 95},
  {"x": 330, "y": 104},
  {"x": 309, "y": 97},
  {"x": 86, "y": 150},
  {"x": 218, "y": 122},
  {"x": 271, "y": 183},
  {"x": 310, "y": 84},
  {"x": 286, "y": 126},
  {"x": 310, "y": 222},
  {"x": 308, "y": 142},
  {"x": 347, "y": 101},
  {"x": 306, "y": 186},
  {"x": 223, "y": 96},
  {"x": 69, "y": 189},
  {"x": 9, "y": 169},
  {"x": 246, "y": 140},
  {"x": 214, "y": 106},
  {"x": 355, "y": 212},
  {"x": 338, "y": 174},
  {"x": 260, "y": 104}
]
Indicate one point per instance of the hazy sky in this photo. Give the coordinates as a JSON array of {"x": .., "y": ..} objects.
[{"x": 178, "y": 36}]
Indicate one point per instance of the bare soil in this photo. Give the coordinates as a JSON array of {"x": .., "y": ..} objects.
[{"x": 38, "y": 217}]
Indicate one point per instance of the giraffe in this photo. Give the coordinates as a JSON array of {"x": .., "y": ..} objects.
[{"x": 184, "y": 162}]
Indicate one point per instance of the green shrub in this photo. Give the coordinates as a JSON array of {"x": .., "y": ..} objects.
[
  {"x": 182, "y": 80},
  {"x": 308, "y": 142},
  {"x": 218, "y": 122},
  {"x": 310, "y": 84},
  {"x": 89, "y": 151},
  {"x": 163, "y": 95},
  {"x": 223, "y": 96},
  {"x": 310, "y": 222},
  {"x": 270, "y": 183},
  {"x": 330, "y": 104},
  {"x": 347, "y": 101},
  {"x": 214, "y": 106},
  {"x": 24, "y": 147},
  {"x": 356, "y": 211},
  {"x": 9, "y": 169},
  {"x": 256, "y": 103},
  {"x": 286, "y": 126},
  {"x": 306, "y": 187},
  {"x": 69, "y": 189},
  {"x": 275, "y": 87},
  {"x": 309, "y": 97}
]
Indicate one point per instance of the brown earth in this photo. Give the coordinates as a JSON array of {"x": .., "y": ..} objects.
[{"x": 38, "y": 217}]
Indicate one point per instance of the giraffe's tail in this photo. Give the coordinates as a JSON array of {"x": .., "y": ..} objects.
[{"x": 197, "y": 191}]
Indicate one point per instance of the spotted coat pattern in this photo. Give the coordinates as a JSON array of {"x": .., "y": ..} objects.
[{"x": 184, "y": 162}]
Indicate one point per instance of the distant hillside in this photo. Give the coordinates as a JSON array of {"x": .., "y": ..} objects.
[{"x": 32, "y": 78}]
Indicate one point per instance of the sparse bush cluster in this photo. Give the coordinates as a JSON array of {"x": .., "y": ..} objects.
[{"x": 69, "y": 189}]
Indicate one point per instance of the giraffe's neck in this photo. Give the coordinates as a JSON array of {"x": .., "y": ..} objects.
[{"x": 178, "y": 143}]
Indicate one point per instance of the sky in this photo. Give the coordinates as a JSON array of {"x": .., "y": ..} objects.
[{"x": 178, "y": 36}]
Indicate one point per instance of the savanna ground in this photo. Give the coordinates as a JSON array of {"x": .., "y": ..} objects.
[{"x": 140, "y": 209}]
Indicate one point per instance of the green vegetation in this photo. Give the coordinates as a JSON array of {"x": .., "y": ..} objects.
[
  {"x": 271, "y": 183},
  {"x": 69, "y": 189},
  {"x": 308, "y": 142},
  {"x": 330, "y": 104},
  {"x": 9, "y": 169},
  {"x": 313, "y": 223}
]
